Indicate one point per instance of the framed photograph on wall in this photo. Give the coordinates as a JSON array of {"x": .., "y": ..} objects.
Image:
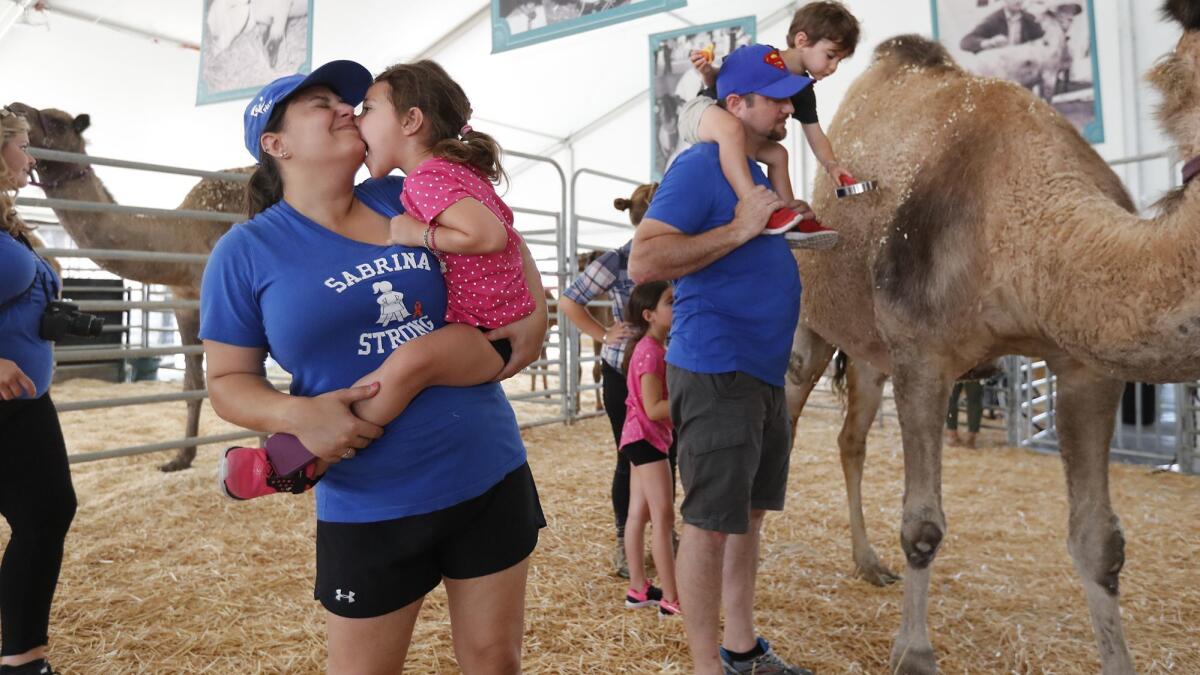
[
  {"x": 248, "y": 43},
  {"x": 673, "y": 80},
  {"x": 517, "y": 23},
  {"x": 1046, "y": 46}
]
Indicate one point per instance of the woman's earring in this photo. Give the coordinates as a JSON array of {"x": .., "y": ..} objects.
[{"x": 285, "y": 155}]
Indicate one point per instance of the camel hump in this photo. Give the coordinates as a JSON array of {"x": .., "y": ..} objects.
[
  {"x": 914, "y": 50},
  {"x": 1186, "y": 12}
]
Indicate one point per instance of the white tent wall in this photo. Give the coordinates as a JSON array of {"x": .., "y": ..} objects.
[{"x": 141, "y": 93}]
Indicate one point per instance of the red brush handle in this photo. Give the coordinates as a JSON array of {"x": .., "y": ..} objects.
[{"x": 847, "y": 179}]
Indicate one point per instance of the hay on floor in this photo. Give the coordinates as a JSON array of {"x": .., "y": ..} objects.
[{"x": 163, "y": 576}]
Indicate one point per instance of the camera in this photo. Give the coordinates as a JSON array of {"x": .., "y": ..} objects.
[{"x": 64, "y": 318}]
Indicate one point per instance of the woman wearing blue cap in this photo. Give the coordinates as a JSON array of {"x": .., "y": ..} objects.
[{"x": 443, "y": 493}]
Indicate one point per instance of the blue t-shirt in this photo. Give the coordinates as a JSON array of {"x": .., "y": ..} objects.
[
  {"x": 329, "y": 310},
  {"x": 27, "y": 285},
  {"x": 740, "y": 312}
]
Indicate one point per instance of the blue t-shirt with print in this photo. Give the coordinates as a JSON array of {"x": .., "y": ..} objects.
[
  {"x": 329, "y": 310},
  {"x": 27, "y": 285},
  {"x": 738, "y": 313}
]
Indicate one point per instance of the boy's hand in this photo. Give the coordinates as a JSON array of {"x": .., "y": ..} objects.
[
  {"x": 405, "y": 230},
  {"x": 703, "y": 64},
  {"x": 837, "y": 172}
]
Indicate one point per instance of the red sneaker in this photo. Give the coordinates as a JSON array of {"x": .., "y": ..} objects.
[
  {"x": 782, "y": 220},
  {"x": 247, "y": 473},
  {"x": 811, "y": 234}
]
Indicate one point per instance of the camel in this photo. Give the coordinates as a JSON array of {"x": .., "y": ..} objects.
[
  {"x": 936, "y": 273},
  {"x": 56, "y": 130}
]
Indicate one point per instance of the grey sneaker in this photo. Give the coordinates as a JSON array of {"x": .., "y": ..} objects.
[
  {"x": 768, "y": 663},
  {"x": 620, "y": 564}
]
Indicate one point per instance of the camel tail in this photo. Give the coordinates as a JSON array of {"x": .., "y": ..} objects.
[
  {"x": 838, "y": 382},
  {"x": 915, "y": 50}
]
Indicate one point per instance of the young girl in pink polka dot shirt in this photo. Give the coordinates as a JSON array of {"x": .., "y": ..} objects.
[{"x": 414, "y": 118}]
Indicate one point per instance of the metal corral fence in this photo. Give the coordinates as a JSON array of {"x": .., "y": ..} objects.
[
  {"x": 1156, "y": 424},
  {"x": 544, "y": 231}
]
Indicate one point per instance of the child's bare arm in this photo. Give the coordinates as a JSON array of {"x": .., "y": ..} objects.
[
  {"x": 719, "y": 126},
  {"x": 775, "y": 156},
  {"x": 656, "y": 406},
  {"x": 467, "y": 227},
  {"x": 823, "y": 149},
  {"x": 702, "y": 61}
]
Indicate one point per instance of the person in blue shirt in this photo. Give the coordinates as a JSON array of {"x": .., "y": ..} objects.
[
  {"x": 737, "y": 300},
  {"x": 442, "y": 493},
  {"x": 36, "y": 495}
]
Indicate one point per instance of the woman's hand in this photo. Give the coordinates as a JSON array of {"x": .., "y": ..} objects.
[
  {"x": 13, "y": 381},
  {"x": 526, "y": 337},
  {"x": 328, "y": 428},
  {"x": 404, "y": 230}
]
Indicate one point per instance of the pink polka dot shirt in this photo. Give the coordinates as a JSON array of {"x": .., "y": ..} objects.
[{"x": 486, "y": 290}]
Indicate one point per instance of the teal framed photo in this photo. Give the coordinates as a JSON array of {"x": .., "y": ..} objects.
[
  {"x": 1046, "y": 46},
  {"x": 519, "y": 23},
  {"x": 673, "y": 80},
  {"x": 246, "y": 44}
]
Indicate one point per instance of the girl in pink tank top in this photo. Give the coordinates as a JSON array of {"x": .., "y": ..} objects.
[
  {"x": 646, "y": 440},
  {"x": 414, "y": 118}
]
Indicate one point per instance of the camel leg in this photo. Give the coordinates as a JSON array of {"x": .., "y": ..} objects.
[
  {"x": 922, "y": 386},
  {"x": 810, "y": 355},
  {"x": 864, "y": 396},
  {"x": 193, "y": 380},
  {"x": 1087, "y": 404}
]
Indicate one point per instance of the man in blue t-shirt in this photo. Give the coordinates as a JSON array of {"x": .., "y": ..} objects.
[{"x": 737, "y": 300}]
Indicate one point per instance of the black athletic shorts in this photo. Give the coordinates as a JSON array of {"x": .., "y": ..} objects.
[
  {"x": 370, "y": 569},
  {"x": 502, "y": 347},
  {"x": 641, "y": 452}
]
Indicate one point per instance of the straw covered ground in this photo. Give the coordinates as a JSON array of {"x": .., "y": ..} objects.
[{"x": 163, "y": 576}]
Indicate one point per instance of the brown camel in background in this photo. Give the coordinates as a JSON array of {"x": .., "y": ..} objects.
[
  {"x": 999, "y": 230},
  {"x": 57, "y": 130}
]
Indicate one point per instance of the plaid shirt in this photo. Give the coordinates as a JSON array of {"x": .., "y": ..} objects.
[{"x": 607, "y": 274}]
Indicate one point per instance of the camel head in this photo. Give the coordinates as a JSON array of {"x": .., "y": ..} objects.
[
  {"x": 638, "y": 202},
  {"x": 1177, "y": 77},
  {"x": 54, "y": 130}
]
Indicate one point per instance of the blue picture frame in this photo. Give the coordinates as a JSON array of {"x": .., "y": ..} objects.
[
  {"x": 1071, "y": 103},
  {"x": 504, "y": 39},
  {"x": 244, "y": 60},
  {"x": 666, "y": 73}
]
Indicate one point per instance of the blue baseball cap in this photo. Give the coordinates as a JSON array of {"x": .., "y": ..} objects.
[
  {"x": 758, "y": 69},
  {"x": 347, "y": 79}
]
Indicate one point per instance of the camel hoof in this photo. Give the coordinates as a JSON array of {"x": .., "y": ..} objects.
[
  {"x": 876, "y": 574},
  {"x": 913, "y": 660},
  {"x": 176, "y": 464}
]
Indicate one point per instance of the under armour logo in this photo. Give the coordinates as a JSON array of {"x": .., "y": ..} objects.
[{"x": 349, "y": 596}]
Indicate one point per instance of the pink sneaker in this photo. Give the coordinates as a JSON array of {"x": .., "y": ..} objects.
[
  {"x": 246, "y": 473},
  {"x": 811, "y": 234},
  {"x": 782, "y": 220},
  {"x": 649, "y": 596},
  {"x": 669, "y": 608}
]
